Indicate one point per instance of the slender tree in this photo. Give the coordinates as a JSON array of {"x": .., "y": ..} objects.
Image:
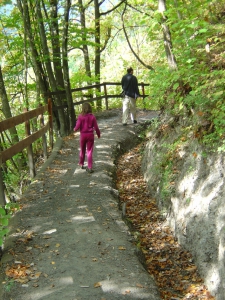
[
  {"x": 18, "y": 164},
  {"x": 71, "y": 113},
  {"x": 49, "y": 65},
  {"x": 84, "y": 46},
  {"x": 167, "y": 36},
  {"x": 6, "y": 108},
  {"x": 98, "y": 45}
]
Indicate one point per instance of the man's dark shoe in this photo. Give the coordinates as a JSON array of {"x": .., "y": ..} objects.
[
  {"x": 124, "y": 124},
  {"x": 135, "y": 122}
]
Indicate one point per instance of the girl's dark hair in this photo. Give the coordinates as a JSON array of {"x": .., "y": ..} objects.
[
  {"x": 129, "y": 70},
  {"x": 86, "y": 108}
]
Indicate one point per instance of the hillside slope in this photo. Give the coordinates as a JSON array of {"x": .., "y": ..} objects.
[{"x": 187, "y": 182}]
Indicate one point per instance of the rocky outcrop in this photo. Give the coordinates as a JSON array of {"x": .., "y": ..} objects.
[{"x": 187, "y": 181}]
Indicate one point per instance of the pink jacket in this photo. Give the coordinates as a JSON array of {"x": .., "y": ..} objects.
[{"x": 87, "y": 124}]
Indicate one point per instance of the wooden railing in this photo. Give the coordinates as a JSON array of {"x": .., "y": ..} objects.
[
  {"x": 31, "y": 138},
  {"x": 105, "y": 96},
  {"x": 26, "y": 142}
]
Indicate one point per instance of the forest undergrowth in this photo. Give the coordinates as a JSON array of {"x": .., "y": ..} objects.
[{"x": 172, "y": 266}]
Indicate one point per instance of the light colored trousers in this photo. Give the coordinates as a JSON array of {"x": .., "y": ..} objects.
[{"x": 129, "y": 105}]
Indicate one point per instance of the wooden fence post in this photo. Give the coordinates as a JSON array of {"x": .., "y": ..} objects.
[
  {"x": 50, "y": 122},
  {"x": 30, "y": 150},
  {"x": 2, "y": 193},
  {"x": 44, "y": 140},
  {"x": 106, "y": 97},
  {"x": 143, "y": 92}
]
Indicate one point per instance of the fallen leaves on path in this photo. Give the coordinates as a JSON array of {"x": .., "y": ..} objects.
[
  {"x": 97, "y": 284},
  {"x": 22, "y": 273},
  {"x": 172, "y": 267}
]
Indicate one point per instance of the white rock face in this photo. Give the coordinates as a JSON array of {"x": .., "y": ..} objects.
[{"x": 194, "y": 205}]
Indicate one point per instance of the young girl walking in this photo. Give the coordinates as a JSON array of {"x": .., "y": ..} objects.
[{"x": 87, "y": 124}]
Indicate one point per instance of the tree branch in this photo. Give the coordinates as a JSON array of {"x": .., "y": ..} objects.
[
  {"x": 129, "y": 44},
  {"x": 108, "y": 36},
  {"x": 115, "y": 7}
]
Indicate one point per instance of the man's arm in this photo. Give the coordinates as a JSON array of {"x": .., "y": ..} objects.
[
  {"x": 122, "y": 82},
  {"x": 136, "y": 87}
]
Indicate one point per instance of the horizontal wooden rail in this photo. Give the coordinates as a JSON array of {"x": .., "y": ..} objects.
[
  {"x": 28, "y": 140},
  {"x": 90, "y": 87},
  {"x": 12, "y": 122},
  {"x": 18, "y": 147},
  {"x": 89, "y": 98},
  {"x": 56, "y": 107}
]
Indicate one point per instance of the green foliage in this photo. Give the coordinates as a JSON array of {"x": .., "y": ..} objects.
[
  {"x": 9, "y": 284},
  {"x": 166, "y": 189},
  {"x": 196, "y": 89},
  {"x": 151, "y": 102},
  {"x": 164, "y": 164},
  {"x": 163, "y": 168},
  {"x": 187, "y": 201},
  {"x": 5, "y": 214}
]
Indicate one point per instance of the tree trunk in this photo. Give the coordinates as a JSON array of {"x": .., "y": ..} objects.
[
  {"x": 7, "y": 113},
  {"x": 84, "y": 39},
  {"x": 167, "y": 36},
  {"x": 97, "y": 50},
  {"x": 57, "y": 59},
  {"x": 52, "y": 80},
  {"x": 56, "y": 51},
  {"x": 6, "y": 108},
  {"x": 44, "y": 46},
  {"x": 39, "y": 71},
  {"x": 71, "y": 113}
]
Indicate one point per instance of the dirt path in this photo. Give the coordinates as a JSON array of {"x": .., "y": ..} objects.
[{"x": 69, "y": 240}]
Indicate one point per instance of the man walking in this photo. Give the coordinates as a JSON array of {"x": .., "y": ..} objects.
[{"x": 130, "y": 87}]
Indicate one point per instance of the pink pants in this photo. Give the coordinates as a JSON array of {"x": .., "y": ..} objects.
[{"x": 86, "y": 143}]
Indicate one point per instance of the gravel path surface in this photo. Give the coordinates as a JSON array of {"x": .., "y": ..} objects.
[{"x": 69, "y": 240}]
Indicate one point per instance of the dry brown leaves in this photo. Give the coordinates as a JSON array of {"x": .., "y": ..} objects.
[
  {"x": 172, "y": 267},
  {"x": 22, "y": 273}
]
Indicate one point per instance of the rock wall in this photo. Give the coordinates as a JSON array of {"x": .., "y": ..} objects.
[{"x": 188, "y": 184}]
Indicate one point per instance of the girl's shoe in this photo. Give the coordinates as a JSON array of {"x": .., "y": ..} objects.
[
  {"x": 82, "y": 166},
  {"x": 89, "y": 170}
]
